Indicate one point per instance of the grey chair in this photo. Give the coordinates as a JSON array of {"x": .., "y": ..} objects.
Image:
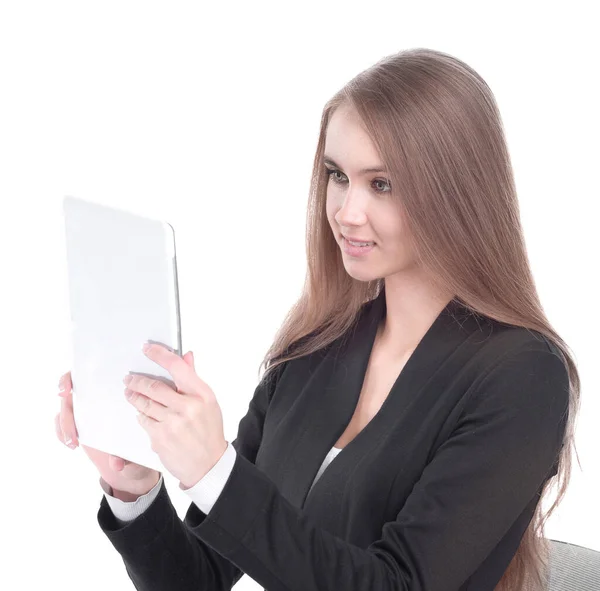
[{"x": 573, "y": 567}]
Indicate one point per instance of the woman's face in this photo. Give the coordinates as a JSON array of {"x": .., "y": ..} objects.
[{"x": 360, "y": 204}]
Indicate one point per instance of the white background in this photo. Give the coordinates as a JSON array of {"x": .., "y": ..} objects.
[{"x": 206, "y": 115}]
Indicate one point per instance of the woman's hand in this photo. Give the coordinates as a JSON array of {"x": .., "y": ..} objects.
[
  {"x": 123, "y": 476},
  {"x": 185, "y": 424}
]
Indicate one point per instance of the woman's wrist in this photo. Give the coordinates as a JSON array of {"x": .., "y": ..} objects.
[{"x": 130, "y": 497}]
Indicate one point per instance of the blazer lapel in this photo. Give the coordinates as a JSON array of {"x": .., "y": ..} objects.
[
  {"x": 336, "y": 398},
  {"x": 334, "y": 389}
]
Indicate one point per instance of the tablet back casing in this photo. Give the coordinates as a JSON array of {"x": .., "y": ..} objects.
[{"x": 123, "y": 292}]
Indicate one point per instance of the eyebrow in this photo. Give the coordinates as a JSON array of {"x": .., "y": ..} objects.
[{"x": 329, "y": 160}]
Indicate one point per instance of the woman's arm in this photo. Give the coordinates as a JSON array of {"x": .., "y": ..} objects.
[
  {"x": 126, "y": 510},
  {"x": 158, "y": 549}
]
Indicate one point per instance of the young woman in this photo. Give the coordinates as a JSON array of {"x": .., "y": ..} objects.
[{"x": 417, "y": 406}]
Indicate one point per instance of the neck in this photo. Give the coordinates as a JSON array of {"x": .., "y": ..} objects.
[{"x": 410, "y": 313}]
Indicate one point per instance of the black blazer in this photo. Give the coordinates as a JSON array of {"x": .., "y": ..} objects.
[{"x": 434, "y": 494}]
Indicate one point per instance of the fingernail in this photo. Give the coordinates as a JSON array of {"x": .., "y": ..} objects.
[{"x": 69, "y": 443}]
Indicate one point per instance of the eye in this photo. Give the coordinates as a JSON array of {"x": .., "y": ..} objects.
[
  {"x": 387, "y": 183},
  {"x": 332, "y": 172}
]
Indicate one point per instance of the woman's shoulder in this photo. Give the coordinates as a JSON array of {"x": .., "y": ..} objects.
[
  {"x": 512, "y": 338},
  {"x": 517, "y": 358}
]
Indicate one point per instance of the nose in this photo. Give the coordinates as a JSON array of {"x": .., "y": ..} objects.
[{"x": 353, "y": 210}]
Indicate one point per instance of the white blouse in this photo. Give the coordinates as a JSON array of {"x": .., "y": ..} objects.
[{"x": 334, "y": 451}]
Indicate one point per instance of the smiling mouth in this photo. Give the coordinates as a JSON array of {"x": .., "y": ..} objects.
[{"x": 358, "y": 242}]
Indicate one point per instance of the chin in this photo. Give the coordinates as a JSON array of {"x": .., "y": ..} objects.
[{"x": 361, "y": 274}]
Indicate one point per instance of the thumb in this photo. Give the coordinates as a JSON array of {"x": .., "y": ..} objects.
[{"x": 116, "y": 463}]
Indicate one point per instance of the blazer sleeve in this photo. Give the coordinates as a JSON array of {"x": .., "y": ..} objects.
[
  {"x": 159, "y": 551},
  {"x": 478, "y": 482}
]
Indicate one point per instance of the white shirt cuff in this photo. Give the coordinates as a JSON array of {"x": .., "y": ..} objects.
[
  {"x": 207, "y": 490},
  {"x": 128, "y": 511}
]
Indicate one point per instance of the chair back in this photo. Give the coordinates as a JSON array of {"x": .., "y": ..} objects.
[{"x": 573, "y": 567}]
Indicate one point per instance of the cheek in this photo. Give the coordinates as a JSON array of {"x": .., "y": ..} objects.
[
  {"x": 393, "y": 235},
  {"x": 330, "y": 209}
]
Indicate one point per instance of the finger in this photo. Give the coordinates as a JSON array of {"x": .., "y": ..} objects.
[
  {"x": 65, "y": 393},
  {"x": 183, "y": 375},
  {"x": 148, "y": 424},
  {"x": 189, "y": 359},
  {"x": 155, "y": 390},
  {"x": 67, "y": 421},
  {"x": 66, "y": 400},
  {"x": 57, "y": 428},
  {"x": 62, "y": 379},
  {"x": 64, "y": 384},
  {"x": 149, "y": 407},
  {"x": 63, "y": 435}
]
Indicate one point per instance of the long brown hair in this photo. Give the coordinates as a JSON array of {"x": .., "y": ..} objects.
[{"x": 438, "y": 131}]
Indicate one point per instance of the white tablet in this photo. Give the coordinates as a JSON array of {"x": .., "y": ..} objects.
[{"x": 122, "y": 273}]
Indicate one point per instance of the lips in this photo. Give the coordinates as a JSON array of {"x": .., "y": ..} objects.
[{"x": 356, "y": 239}]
